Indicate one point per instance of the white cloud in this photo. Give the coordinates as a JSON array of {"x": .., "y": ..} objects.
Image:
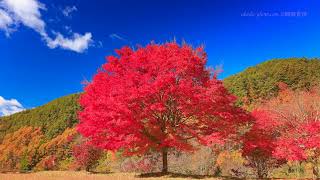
[
  {"x": 116, "y": 36},
  {"x": 67, "y": 11},
  {"x": 5, "y": 22},
  {"x": 77, "y": 43},
  {"x": 27, "y": 12},
  {"x": 8, "y": 107}
]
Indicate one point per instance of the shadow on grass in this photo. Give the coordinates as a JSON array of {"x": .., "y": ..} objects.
[
  {"x": 95, "y": 172},
  {"x": 15, "y": 172},
  {"x": 180, "y": 175},
  {"x": 30, "y": 172}
]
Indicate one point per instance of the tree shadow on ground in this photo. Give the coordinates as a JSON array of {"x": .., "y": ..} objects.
[
  {"x": 180, "y": 175},
  {"x": 96, "y": 172},
  {"x": 186, "y": 176}
]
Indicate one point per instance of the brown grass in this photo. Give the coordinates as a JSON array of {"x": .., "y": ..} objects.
[{"x": 72, "y": 175}]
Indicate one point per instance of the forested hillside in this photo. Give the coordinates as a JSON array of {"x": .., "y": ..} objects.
[
  {"x": 33, "y": 138},
  {"x": 261, "y": 82},
  {"x": 53, "y": 118}
]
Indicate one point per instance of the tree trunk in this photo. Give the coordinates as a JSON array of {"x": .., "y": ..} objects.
[
  {"x": 315, "y": 170},
  {"x": 87, "y": 168},
  {"x": 260, "y": 175},
  {"x": 261, "y": 171},
  {"x": 164, "y": 160}
]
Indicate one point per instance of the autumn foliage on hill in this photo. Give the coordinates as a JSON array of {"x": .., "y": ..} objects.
[
  {"x": 287, "y": 128},
  {"x": 158, "y": 98},
  {"x": 299, "y": 113},
  {"x": 18, "y": 147},
  {"x": 28, "y": 149},
  {"x": 53, "y": 118},
  {"x": 57, "y": 149}
]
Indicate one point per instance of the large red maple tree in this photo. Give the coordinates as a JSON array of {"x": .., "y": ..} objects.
[{"x": 157, "y": 98}]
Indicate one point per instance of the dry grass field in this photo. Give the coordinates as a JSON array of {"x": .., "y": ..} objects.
[{"x": 72, "y": 175}]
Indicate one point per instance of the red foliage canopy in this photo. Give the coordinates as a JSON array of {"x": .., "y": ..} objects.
[
  {"x": 260, "y": 143},
  {"x": 86, "y": 155},
  {"x": 261, "y": 139},
  {"x": 299, "y": 129},
  {"x": 289, "y": 126},
  {"x": 156, "y": 97}
]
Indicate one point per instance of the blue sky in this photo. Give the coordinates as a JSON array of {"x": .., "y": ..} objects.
[{"x": 49, "y": 47}]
